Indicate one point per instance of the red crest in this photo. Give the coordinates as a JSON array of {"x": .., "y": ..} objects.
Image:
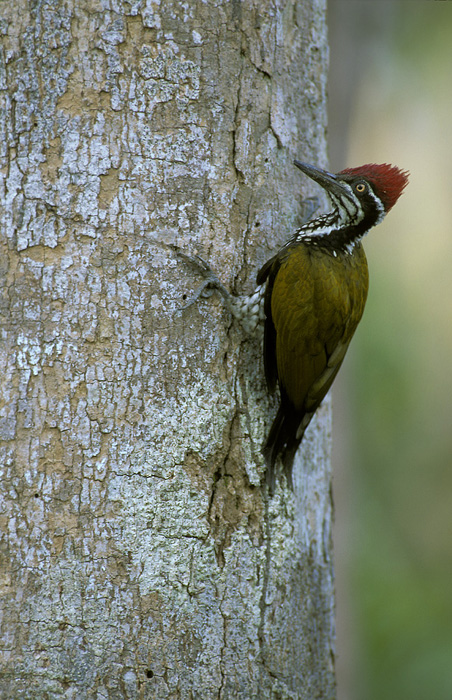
[{"x": 387, "y": 181}]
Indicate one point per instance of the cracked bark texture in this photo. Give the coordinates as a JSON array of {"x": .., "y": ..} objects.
[{"x": 140, "y": 555}]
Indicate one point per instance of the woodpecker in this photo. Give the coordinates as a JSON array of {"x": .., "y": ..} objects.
[{"x": 310, "y": 298}]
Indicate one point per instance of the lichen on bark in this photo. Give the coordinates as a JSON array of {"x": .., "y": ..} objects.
[{"x": 141, "y": 554}]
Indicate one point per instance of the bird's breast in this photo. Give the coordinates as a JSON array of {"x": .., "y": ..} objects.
[{"x": 317, "y": 301}]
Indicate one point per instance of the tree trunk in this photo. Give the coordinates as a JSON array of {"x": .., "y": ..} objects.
[{"x": 141, "y": 554}]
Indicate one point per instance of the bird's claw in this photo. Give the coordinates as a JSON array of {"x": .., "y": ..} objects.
[
  {"x": 211, "y": 282},
  {"x": 204, "y": 291}
]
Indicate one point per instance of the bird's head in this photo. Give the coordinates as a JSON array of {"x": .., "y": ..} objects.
[{"x": 362, "y": 195}]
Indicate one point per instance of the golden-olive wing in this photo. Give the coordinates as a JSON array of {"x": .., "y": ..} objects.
[{"x": 316, "y": 302}]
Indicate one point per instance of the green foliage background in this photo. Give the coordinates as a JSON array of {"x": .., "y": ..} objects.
[{"x": 392, "y": 451}]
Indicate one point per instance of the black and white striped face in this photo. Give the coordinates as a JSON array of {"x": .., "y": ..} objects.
[
  {"x": 361, "y": 197},
  {"x": 357, "y": 202}
]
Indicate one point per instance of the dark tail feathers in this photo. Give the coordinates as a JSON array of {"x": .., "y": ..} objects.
[{"x": 283, "y": 442}]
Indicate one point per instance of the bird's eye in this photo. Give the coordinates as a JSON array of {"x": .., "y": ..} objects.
[{"x": 361, "y": 187}]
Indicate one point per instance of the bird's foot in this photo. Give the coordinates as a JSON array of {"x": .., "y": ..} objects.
[{"x": 211, "y": 282}]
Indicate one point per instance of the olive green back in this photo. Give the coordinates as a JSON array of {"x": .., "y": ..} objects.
[{"x": 317, "y": 301}]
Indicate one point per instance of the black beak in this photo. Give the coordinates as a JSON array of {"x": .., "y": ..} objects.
[{"x": 327, "y": 180}]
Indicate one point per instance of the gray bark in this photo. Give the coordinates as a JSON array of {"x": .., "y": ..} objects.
[{"x": 141, "y": 557}]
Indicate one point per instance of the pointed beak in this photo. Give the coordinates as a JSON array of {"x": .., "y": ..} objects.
[{"x": 327, "y": 180}]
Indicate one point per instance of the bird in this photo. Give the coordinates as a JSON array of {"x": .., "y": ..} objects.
[{"x": 310, "y": 297}]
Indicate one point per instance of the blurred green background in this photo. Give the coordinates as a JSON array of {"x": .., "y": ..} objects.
[{"x": 391, "y": 101}]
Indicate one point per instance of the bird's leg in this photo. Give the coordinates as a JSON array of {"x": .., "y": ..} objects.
[
  {"x": 248, "y": 309},
  {"x": 210, "y": 284}
]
